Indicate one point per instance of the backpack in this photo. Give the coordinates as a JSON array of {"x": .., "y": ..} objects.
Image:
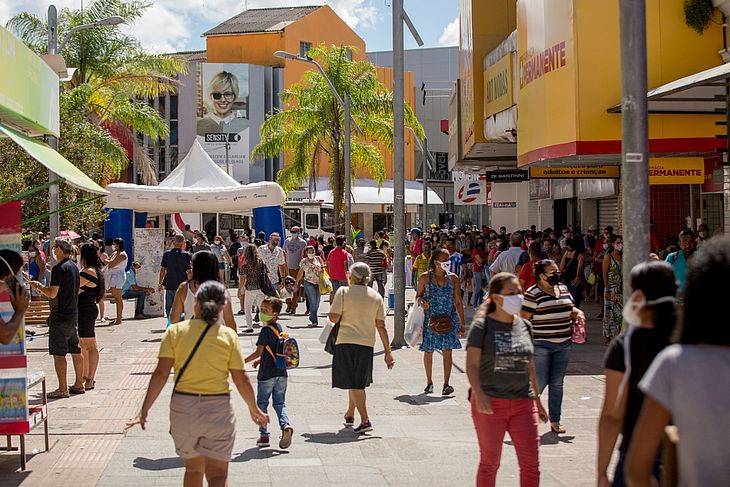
[{"x": 286, "y": 355}]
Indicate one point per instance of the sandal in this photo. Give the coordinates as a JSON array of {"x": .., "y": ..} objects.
[
  {"x": 557, "y": 428},
  {"x": 76, "y": 390},
  {"x": 88, "y": 387},
  {"x": 428, "y": 389},
  {"x": 58, "y": 394}
]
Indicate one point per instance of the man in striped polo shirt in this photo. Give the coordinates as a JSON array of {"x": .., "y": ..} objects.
[
  {"x": 549, "y": 306},
  {"x": 378, "y": 263}
]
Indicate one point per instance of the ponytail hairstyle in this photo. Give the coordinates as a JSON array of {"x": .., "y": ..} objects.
[
  {"x": 656, "y": 280},
  {"x": 211, "y": 296},
  {"x": 496, "y": 284}
]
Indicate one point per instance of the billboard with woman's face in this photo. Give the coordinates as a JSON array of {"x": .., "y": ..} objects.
[{"x": 223, "y": 116}]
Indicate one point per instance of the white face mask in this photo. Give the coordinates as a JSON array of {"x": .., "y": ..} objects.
[
  {"x": 445, "y": 265},
  {"x": 310, "y": 256},
  {"x": 512, "y": 304},
  {"x": 634, "y": 305}
]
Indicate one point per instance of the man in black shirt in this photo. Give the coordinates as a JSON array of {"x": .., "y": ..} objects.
[
  {"x": 63, "y": 336},
  {"x": 173, "y": 271}
]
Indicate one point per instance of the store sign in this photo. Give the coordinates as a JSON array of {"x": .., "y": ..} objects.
[
  {"x": 504, "y": 204},
  {"x": 28, "y": 89},
  {"x": 679, "y": 170},
  {"x": 576, "y": 172},
  {"x": 511, "y": 176},
  {"x": 470, "y": 192},
  {"x": 498, "y": 86}
]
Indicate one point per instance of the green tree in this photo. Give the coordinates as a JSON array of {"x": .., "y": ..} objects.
[
  {"x": 311, "y": 123},
  {"x": 114, "y": 76}
]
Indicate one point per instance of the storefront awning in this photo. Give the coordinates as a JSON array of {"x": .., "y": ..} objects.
[
  {"x": 54, "y": 161},
  {"x": 698, "y": 93}
]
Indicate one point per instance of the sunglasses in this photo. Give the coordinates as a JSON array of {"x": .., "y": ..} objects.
[{"x": 229, "y": 96}]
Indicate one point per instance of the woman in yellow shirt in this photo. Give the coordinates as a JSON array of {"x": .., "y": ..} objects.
[{"x": 203, "y": 354}]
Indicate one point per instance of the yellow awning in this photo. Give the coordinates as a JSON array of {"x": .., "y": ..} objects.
[{"x": 54, "y": 161}]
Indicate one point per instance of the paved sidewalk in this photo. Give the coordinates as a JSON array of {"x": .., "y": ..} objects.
[{"x": 416, "y": 438}]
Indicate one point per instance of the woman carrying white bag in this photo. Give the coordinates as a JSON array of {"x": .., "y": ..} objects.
[{"x": 414, "y": 325}]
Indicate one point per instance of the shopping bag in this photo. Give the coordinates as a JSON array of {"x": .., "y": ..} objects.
[
  {"x": 325, "y": 284},
  {"x": 326, "y": 332},
  {"x": 414, "y": 326}
]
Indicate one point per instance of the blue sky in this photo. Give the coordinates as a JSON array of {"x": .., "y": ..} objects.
[{"x": 176, "y": 25}]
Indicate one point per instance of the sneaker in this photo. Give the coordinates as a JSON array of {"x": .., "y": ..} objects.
[
  {"x": 428, "y": 389},
  {"x": 247, "y": 330},
  {"x": 447, "y": 390},
  {"x": 286, "y": 436},
  {"x": 263, "y": 442},
  {"x": 349, "y": 421},
  {"x": 364, "y": 427}
]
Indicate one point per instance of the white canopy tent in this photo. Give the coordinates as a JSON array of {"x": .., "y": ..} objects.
[
  {"x": 196, "y": 185},
  {"x": 366, "y": 192}
]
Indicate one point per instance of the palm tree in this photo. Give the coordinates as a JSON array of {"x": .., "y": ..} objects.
[
  {"x": 114, "y": 75},
  {"x": 311, "y": 123}
]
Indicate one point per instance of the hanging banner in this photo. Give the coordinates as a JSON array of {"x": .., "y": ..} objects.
[
  {"x": 470, "y": 192},
  {"x": 576, "y": 172},
  {"x": 677, "y": 170}
]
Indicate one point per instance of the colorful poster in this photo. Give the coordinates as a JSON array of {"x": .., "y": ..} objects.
[
  {"x": 13, "y": 401},
  {"x": 10, "y": 216},
  {"x": 149, "y": 245},
  {"x": 224, "y": 119}
]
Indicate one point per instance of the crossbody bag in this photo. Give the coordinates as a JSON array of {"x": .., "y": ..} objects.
[{"x": 190, "y": 357}]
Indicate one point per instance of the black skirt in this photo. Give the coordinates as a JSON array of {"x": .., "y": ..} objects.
[
  {"x": 352, "y": 366},
  {"x": 87, "y": 319}
]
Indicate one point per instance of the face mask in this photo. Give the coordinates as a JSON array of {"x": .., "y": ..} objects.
[
  {"x": 264, "y": 317},
  {"x": 295, "y": 234},
  {"x": 310, "y": 256},
  {"x": 619, "y": 247},
  {"x": 512, "y": 304},
  {"x": 635, "y": 305},
  {"x": 217, "y": 242},
  {"x": 553, "y": 280},
  {"x": 703, "y": 234},
  {"x": 445, "y": 265}
]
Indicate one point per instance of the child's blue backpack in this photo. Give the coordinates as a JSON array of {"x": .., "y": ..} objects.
[{"x": 286, "y": 355}]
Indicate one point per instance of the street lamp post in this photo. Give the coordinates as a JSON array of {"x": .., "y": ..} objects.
[
  {"x": 345, "y": 104},
  {"x": 53, "y": 48}
]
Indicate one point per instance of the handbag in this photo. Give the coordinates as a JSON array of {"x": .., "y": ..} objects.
[
  {"x": 190, "y": 357},
  {"x": 439, "y": 324},
  {"x": 578, "y": 332},
  {"x": 329, "y": 345},
  {"x": 265, "y": 283}
]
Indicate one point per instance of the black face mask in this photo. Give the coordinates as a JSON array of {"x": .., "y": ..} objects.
[{"x": 553, "y": 280}]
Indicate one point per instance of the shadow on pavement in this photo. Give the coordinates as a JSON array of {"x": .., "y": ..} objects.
[
  {"x": 551, "y": 438},
  {"x": 342, "y": 436},
  {"x": 257, "y": 453},
  {"x": 421, "y": 399},
  {"x": 158, "y": 464}
]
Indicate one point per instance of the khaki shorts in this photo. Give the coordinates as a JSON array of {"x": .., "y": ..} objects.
[{"x": 203, "y": 425}]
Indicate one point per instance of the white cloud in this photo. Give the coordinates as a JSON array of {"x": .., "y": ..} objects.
[
  {"x": 161, "y": 30},
  {"x": 450, "y": 34}
]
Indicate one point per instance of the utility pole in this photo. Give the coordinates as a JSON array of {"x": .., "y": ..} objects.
[
  {"x": 399, "y": 214},
  {"x": 634, "y": 137},
  {"x": 53, "y": 202},
  {"x": 424, "y": 173},
  {"x": 348, "y": 177}
]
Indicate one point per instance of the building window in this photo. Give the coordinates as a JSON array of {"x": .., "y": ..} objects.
[{"x": 304, "y": 48}]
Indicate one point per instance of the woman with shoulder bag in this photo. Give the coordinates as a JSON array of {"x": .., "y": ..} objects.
[
  {"x": 500, "y": 366},
  {"x": 202, "y": 421},
  {"x": 440, "y": 297},
  {"x": 310, "y": 269}
]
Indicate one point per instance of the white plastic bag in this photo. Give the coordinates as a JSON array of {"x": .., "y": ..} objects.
[
  {"x": 326, "y": 332},
  {"x": 414, "y": 326}
]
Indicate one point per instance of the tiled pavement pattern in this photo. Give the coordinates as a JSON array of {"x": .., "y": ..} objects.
[{"x": 417, "y": 439}]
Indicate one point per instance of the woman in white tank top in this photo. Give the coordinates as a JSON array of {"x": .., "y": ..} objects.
[
  {"x": 116, "y": 275},
  {"x": 205, "y": 268}
]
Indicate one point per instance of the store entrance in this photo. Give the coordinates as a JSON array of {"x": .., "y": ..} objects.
[{"x": 382, "y": 221}]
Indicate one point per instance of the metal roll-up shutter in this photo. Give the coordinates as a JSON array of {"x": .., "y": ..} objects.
[
  {"x": 608, "y": 213},
  {"x": 547, "y": 215}
]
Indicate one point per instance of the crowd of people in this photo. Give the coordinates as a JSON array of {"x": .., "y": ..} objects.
[{"x": 527, "y": 288}]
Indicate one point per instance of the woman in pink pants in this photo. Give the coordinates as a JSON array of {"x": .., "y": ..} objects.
[{"x": 501, "y": 371}]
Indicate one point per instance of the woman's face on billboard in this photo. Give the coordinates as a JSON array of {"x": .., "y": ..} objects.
[{"x": 223, "y": 101}]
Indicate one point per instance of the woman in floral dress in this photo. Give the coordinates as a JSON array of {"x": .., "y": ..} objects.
[{"x": 613, "y": 295}]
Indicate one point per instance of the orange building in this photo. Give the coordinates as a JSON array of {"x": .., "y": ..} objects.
[{"x": 254, "y": 35}]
